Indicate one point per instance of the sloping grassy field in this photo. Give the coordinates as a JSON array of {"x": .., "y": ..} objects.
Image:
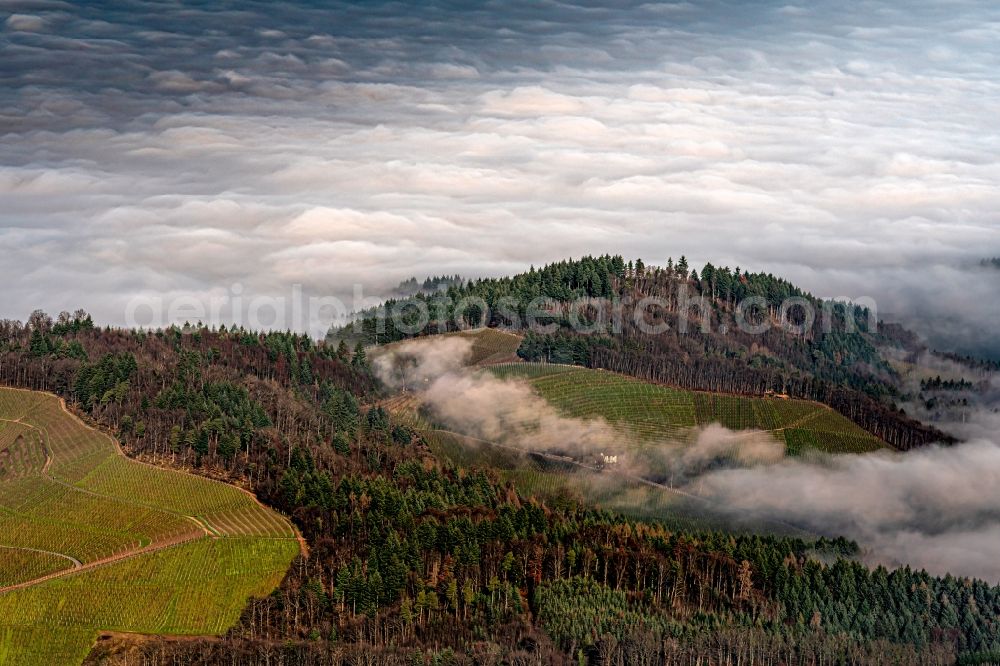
[
  {"x": 92, "y": 541},
  {"x": 648, "y": 413}
]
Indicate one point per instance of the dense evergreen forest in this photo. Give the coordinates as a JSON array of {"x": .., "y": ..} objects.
[
  {"x": 415, "y": 561},
  {"x": 697, "y": 340}
]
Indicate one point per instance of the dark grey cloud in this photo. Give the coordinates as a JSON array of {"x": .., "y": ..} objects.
[{"x": 152, "y": 148}]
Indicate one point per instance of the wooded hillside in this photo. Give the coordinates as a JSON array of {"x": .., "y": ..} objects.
[{"x": 412, "y": 559}]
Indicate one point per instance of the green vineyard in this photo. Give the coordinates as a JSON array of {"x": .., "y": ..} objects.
[
  {"x": 649, "y": 413},
  {"x": 81, "y": 525},
  {"x": 195, "y": 588},
  {"x": 21, "y": 565}
]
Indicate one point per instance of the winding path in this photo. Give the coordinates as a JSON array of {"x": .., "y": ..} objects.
[
  {"x": 118, "y": 557},
  {"x": 76, "y": 563},
  {"x": 209, "y": 530}
]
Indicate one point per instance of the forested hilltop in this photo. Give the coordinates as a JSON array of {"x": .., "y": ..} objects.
[
  {"x": 697, "y": 340},
  {"x": 415, "y": 561}
]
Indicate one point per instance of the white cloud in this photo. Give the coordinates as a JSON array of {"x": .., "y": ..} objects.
[
  {"x": 177, "y": 82},
  {"x": 25, "y": 23},
  {"x": 530, "y": 101}
]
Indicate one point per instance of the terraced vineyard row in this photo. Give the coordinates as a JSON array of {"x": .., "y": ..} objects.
[
  {"x": 74, "y": 448},
  {"x": 20, "y": 565},
  {"x": 491, "y": 346},
  {"x": 196, "y": 588},
  {"x": 21, "y": 451},
  {"x": 651, "y": 413},
  {"x": 249, "y": 520},
  {"x": 15, "y": 404},
  {"x": 167, "y": 489},
  {"x": 529, "y": 370},
  {"x": 406, "y": 407},
  {"x": 41, "y": 514},
  {"x": 74, "y": 504}
]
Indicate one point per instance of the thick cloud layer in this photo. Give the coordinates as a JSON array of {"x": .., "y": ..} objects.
[{"x": 173, "y": 151}]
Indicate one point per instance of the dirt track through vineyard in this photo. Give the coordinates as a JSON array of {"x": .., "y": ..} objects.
[{"x": 79, "y": 567}]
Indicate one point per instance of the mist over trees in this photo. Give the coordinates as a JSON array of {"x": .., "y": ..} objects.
[{"x": 993, "y": 262}]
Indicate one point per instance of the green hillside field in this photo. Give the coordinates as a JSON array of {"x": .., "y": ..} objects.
[
  {"x": 92, "y": 541},
  {"x": 648, "y": 413}
]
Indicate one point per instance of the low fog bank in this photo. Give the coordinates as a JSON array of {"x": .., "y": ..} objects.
[
  {"x": 936, "y": 508},
  {"x": 953, "y": 307},
  {"x": 411, "y": 365},
  {"x": 969, "y": 412}
]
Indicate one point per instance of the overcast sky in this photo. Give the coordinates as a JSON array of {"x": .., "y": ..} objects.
[{"x": 168, "y": 150}]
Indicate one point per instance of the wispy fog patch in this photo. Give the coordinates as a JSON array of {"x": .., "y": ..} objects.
[
  {"x": 478, "y": 404},
  {"x": 715, "y": 442},
  {"x": 935, "y": 508},
  {"x": 970, "y": 411},
  {"x": 412, "y": 365},
  {"x": 511, "y": 413}
]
